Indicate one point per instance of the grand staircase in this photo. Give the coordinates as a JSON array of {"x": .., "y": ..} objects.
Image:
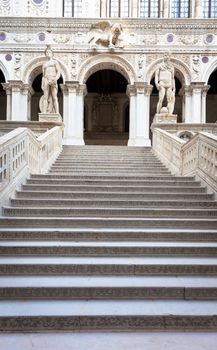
[{"x": 109, "y": 240}]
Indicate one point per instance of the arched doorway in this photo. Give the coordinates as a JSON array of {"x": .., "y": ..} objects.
[
  {"x": 37, "y": 93},
  {"x": 3, "y": 98},
  {"x": 211, "y": 102},
  {"x": 106, "y": 108}
]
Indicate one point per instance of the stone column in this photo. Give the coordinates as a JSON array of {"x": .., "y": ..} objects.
[
  {"x": 18, "y": 110},
  {"x": 196, "y": 106},
  {"x": 103, "y": 9},
  {"x": 26, "y": 92},
  {"x": 142, "y": 115},
  {"x": 73, "y": 113},
  {"x": 134, "y": 11},
  {"x": 187, "y": 96},
  {"x": 80, "y": 93},
  {"x": 204, "y": 94},
  {"x": 64, "y": 89},
  {"x": 131, "y": 93},
  {"x": 165, "y": 5},
  {"x": 8, "y": 90},
  {"x": 198, "y": 8}
]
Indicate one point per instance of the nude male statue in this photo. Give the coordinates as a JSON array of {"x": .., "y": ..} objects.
[
  {"x": 165, "y": 83},
  {"x": 51, "y": 74}
]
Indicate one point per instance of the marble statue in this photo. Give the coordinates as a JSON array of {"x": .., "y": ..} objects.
[
  {"x": 165, "y": 83},
  {"x": 51, "y": 73},
  {"x": 106, "y": 34}
]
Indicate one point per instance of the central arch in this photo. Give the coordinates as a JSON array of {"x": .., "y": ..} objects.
[
  {"x": 106, "y": 109},
  {"x": 110, "y": 101}
]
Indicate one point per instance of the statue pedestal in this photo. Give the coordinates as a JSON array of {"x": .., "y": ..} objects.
[
  {"x": 50, "y": 117},
  {"x": 165, "y": 118}
]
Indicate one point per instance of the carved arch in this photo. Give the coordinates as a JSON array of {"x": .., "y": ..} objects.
[
  {"x": 182, "y": 72},
  {"x": 4, "y": 71},
  {"x": 34, "y": 68},
  {"x": 209, "y": 70},
  {"x": 106, "y": 61}
]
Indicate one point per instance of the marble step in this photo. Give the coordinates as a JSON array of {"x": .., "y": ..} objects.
[
  {"x": 93, "y": 202},
  {"x": 99, "y": 315},
  {"x": 103, "y": 249},
  {"x": 102, "y": 182},
  {"x": 110, "y": 212},
  {"x": 111, "y": 177},
  {"x": 188, "y": 196},
  {"x": 109, "y": 168},
  {"x": 108, "y": 287},
  {"x": 108, "y": 266},
  {"x": 107, "y": 222},
  {"x": 108, "y": 235},
  {"x": 112, "y": 189}
]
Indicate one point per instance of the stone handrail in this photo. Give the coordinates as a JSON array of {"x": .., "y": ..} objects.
[
  {"x": 196, "y": 157},
  {"x": 200, "y": 158},
  {"x": 21, "y": 153}
]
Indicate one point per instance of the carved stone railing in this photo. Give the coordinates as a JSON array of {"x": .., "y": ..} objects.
[
  {"x": 21, "y": 153},
  {"x": 168, "y": 148},
  {"x": 196, "y": 157},
  {"x": 200, "y": 157}
]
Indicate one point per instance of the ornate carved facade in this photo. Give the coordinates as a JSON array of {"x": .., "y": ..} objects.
[{"x": 135, "y": 51}]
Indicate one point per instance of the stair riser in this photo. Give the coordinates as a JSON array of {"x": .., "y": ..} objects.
[
  {"x": 138, "y": 189},
  {"x": 108, "y": 223},
  {"x": 112, "y": 178},
  {"x": 111, "y": 183},
  {"x": 109, "y": 251},
  {"x": 107, "y": 323},
  {"x": 114, "y": 196},
  {"x": 111, "y": 204},
  {"x": 106, "y": 293},
  {"x": 144, "y": 213},
  {"x": 84, "y": 236},
  {"x": 107, "y": 270}
]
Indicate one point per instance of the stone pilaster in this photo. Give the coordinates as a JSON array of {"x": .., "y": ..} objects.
[
  {"x": 8, "y": 90},
  {"x": 73, "y": 112},
  {"x": 18, "y": 101},
  {"x": 27, "y": 92},
  {"x": 198, "y": 8},
  {"x": 196, "y": 106},
  {"x": 165, "y": 8},
  {"x": 204, "y": 94},
  {"x": 187, "y": 96},
  {"x": 139, "y": 114},
  {"x": 131, "y": 93}
]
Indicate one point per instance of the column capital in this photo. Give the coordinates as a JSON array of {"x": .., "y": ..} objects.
[
  {"x": 15, "y": 85},
  {"x": 7, "y": 88},
  {"x": 205, "y": 89},
  {"x": 131, "y": 90},
  {"x": 81, "y": 90},
  {"x": 148, "y": 89},
  {"x": 197, "y": 87},
  {"x": 140, "y": 87},
  {"x": 27, "y": 89},
  {"x": 187, "y": 90},
  {"x": 69, "y": 86}
]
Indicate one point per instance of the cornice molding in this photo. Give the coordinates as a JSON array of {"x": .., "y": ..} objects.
[{"x": 84, "y": 24}]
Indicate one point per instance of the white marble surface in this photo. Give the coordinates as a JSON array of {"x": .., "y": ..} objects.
[
  {"x": 108, "y": 307},
  {"x": 107, "y": 281},
  {"x": 109, "y": 341}
]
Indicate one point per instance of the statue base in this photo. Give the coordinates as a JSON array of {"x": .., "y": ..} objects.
[
  {"x": 166, "y": 118},
  {"x": 50, "y": 117}
]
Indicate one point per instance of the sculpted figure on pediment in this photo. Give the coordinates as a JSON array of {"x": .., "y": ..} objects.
[
  {"x": 105, "y": 34},
  {"x": 165, "y": 83}
]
